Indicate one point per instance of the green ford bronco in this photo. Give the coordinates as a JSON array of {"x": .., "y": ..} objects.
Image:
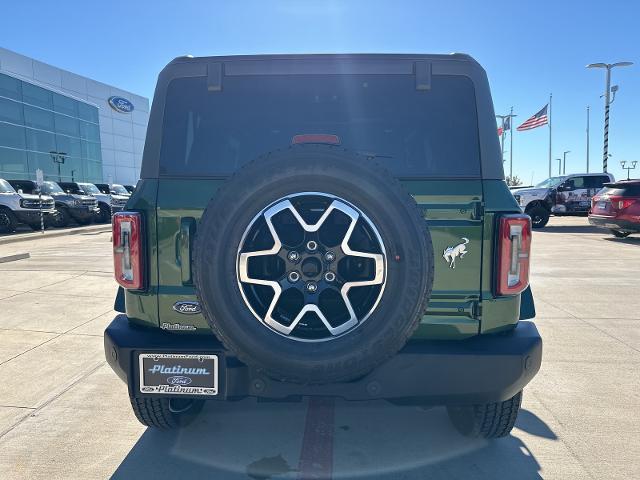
[{"x": 324, "y": 225}]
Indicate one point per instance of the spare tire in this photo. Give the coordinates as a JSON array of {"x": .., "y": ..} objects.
[{"x": 313, "y": 265}]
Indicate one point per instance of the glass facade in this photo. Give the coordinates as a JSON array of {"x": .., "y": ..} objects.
[{"x": 34, "y": 122}]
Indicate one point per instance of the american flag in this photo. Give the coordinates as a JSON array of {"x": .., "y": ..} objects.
[{"x": 537, "y": 120}]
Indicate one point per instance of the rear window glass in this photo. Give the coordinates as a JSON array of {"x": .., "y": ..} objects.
[
  {"x": 423, "y": 133},
  {"x": 622, "y": 190}
]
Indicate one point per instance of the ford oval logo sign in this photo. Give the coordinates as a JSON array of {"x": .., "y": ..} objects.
[
  {"x": 178, "y": 380},
  {"x": 120, "y": 104},
  {"x": 188, "y": 308}
]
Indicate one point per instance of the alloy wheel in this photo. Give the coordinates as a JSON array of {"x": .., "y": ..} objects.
[{"x": 311, "y": 266}]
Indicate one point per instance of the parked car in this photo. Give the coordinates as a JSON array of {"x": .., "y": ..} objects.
[
  {"x": 20, "y": 207},
  {"x": 563, "y": 195},
  {"x": 113, "y": 189},
  {"x": 130, "y": 188},
  {"x": 69, "y": 207},
  {"x": 617, "y": 207},
  {"x": 117, "y": 189},
  {"x": 107, "y": 204},
  {"x": 280, "y": 256}
]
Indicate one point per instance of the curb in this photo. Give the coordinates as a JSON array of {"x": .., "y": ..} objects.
[{"x": 25, "y": 237}]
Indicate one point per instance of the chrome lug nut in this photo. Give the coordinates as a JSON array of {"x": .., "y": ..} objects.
[
  {"x": 329, "y": 276},
  {"x": 293, "y": 277},
  {"x": 329, "y": 256},
  {"x": 312, "y": 246},
  {"x": 312, "y": 287},
  {"x": 293, "y": 256}
]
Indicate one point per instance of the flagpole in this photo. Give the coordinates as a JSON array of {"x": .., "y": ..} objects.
[
  {"x": 511, "y": 144},
  {"x": 550, "y": 97}
]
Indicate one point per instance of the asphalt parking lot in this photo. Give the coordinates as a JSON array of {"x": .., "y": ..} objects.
[{"x": 64, "y": 414}]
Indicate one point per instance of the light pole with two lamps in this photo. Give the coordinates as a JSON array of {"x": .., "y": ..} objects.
[
  {"x": 623, "y": 163},
  {"x": 608, "y": 101}
]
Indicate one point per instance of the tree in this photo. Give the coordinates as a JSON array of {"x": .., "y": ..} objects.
[{"x": 513, "y": 181}]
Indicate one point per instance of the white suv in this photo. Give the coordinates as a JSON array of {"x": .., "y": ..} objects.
[
  {"x": 562, "y": 195},
  {"x": 22, "y": 208}
]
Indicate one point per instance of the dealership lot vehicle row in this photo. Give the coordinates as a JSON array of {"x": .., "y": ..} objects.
[
  {"x": 46, "y": 204},
  {"x": 63, "y": 414}
]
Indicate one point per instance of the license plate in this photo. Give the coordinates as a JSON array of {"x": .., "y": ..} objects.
[
  {"x": 178, "y": 374},
  {"x": 584, "y": 203},
  {"x": 601, "y": 205}
]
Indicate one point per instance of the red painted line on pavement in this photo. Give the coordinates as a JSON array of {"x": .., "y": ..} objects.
[{"x": 316, "y": 456}]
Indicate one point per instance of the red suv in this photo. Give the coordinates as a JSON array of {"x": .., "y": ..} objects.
[{"x": 617, "y": 207}]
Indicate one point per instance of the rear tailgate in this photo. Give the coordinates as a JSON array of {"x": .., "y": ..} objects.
[
  {"x": 453, "y": 311},
  {"x": 427, "y": 119}
]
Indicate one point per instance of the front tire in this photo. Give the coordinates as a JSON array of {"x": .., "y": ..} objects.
[
  {"x": 61, "y": 218},
  {"x": 164, "y": 413},
  {"x": 539, "y": 216},
  {"x": 8, "y": 221},
  {"x": 105, "y": 214},
  {"x": 487, "y": 420}
]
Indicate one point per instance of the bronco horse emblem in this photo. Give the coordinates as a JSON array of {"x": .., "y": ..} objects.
[{"x": 450, "y": 254}]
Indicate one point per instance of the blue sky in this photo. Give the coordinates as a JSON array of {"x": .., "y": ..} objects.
[{"x": 528, "y": 51}]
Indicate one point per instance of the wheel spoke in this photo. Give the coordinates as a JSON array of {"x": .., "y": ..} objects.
[
  {"x": 311, "y": 304},
  {"x": 243, "y": 265},
  {"x": 378, "y": 259}
]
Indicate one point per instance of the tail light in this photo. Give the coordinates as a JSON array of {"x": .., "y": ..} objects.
[
  {"x": 621, "y": 203},
  {"x": 514, "y": 246},
  {"x": 127, "y": 250}
]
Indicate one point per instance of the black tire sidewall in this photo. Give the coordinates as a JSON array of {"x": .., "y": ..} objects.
[
  {"x": 104, "y": 215},
  {"x": 10, "y": 221},
  {"x": 379, "y": 197},
  {"x": 542, "y": 212},
  {"x": 62, "y": 218}
]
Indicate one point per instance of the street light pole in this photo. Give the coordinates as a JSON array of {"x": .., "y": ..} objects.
[
  {"x": 607, "y": 103},
  {"x": 559, "y": 166},
  {"x": 564, "y": 161},
  {"x": 58, "y": 158},
  {"x": 587, "y": 138}
]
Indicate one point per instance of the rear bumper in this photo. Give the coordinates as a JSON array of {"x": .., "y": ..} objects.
[
  {"x": 482, "y": 369},
  {"x": 614, "y": 223}
]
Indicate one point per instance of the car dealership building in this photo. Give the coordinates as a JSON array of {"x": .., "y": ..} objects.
[{"x": 67, "y": 125}]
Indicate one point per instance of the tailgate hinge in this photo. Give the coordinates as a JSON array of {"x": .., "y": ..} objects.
[{"x": 478, "y": 210}]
